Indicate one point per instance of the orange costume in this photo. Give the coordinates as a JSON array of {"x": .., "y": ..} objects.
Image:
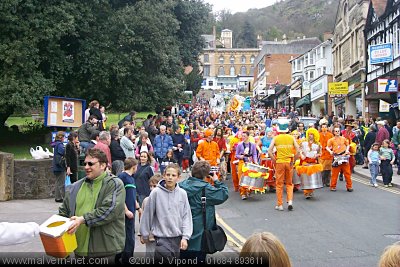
[
  {"x": 284, "y": 144},
  {"x": 326, "y": 158},
  {"x": 235, "y": 179},
  {"x": 208, "y": 151},
  {"x": 339, "y": 145}
]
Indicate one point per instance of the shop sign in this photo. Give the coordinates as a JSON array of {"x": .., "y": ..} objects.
[
  {"x": 271, "y": 91},
  {"x": 386, "y": 85},
  {"x": 295, "y": 93},
  {"x": 383, "y": 106},
  {"x": 381, "y": 53},
  {"x": 338, "y": 88},
  {"x": 318, "y": 88}
]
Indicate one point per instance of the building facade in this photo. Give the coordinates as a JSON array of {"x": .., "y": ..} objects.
[
  {"x": 272, "y": 73},
  {"x": 311, "y": 74},
  {"x": 228, "y": 69},
  {"x": 349, "y": 58},
  {"x": 383, "y": 41}
]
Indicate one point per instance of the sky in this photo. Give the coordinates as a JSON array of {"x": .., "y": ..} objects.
[{"x": 239, "y": 5}]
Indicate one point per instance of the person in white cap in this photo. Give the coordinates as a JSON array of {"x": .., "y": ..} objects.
[{"x": 286, "y": 154}]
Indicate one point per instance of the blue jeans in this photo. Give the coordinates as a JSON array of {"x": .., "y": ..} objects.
[{"x": 374, "y": 170}]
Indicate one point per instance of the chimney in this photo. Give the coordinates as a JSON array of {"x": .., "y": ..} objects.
[
  {"x": 259, "y": 40},
  {"x": 214, "y": 36},
  {"x": 284, "y": 39},
  {"x": 327, "y": 36}
]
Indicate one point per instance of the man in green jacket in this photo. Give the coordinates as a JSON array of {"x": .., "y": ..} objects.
[
  {"x": 215, "y": 195},
  {"x": 96, "y": 204}
]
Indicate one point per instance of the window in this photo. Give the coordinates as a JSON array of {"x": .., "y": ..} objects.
[
  {"x": 323, "y": 70},
  {"x": 396, "y": 37},
  {"x": 206, "y": 71},
  {"x": 252, "y": 58},
  {"x": 311, "y": 75},
  {"x": 210, "y": 83},
  {"x": 232, "y": 60},
  {"x": 232, "y": 71},
  {"x": 306, "y": 60},
  {"x": 206, "y": 58},
  {"x": 221, "y": 60},
  {"x": 243, "y": 71},
  {"x": 251, "y": 70},
  {"x": 221, "y": 71},
  {"x": 319, "y": 53},
  {"x": 322, "y": 52},
  {"x": 243, "y": 59},
  {"x": 311, "y": 58}
]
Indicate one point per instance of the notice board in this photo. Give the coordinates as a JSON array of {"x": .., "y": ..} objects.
[{"x": 63, "y": 112}]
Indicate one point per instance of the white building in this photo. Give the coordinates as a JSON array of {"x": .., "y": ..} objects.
[{"x": 312, "y": 71}]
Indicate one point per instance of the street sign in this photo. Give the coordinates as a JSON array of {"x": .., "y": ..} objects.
[
  {"x": 386, "y": 85},
  {"x": 338, "y": 88},
  {"x": 381, "y": 53}
]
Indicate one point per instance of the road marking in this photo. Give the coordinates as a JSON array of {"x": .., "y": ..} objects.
[
  {"x": 239, "y": 237},
  {"x": 362, "y": 181}
]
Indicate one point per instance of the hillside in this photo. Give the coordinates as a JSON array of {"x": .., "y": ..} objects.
[{"x": 295, "y": 18}]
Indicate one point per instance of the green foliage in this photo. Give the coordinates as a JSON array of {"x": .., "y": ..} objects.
[
  {"x": 294, "y": 18},
  {"x": 127, "y": 54},
  {"x": 247, "y": 37},
  {"x": 193, "y": 80}
]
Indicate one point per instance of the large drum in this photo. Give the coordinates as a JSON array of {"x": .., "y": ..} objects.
[
  {"x": 268, "y": 162},
  {"x": 254, "y": 177},
  {"x": 295, "y": 178},
  {"x": 310, "y": 176},
  {"x": 339, "y": 160}
]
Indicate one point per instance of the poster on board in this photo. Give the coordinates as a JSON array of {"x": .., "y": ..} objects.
[{"x": 68, "y": 111}]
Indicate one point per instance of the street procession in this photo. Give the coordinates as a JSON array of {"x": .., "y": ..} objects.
[{"x": 200, "y": 132}]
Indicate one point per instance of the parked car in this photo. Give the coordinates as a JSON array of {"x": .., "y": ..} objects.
[{"x": 308, "y": 120}]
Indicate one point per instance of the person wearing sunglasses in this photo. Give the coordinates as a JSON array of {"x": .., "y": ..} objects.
[
  {"x": 96, "y": 205},
  {"x": 339, "y": 145}
]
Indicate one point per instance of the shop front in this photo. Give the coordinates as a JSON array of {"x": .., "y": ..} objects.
[
  {"x": 320, "y": 103},
  {"x": 382, "y": 101},
  {"x": 303, "y": 105}
]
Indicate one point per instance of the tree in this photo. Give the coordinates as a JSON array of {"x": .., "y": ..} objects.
[
  {"x": 125, "y": 53},
  {"x": 193, "y": 80},
  {"x": 247, "y": 37}
]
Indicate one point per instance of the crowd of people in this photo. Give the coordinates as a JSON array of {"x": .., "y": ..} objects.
[{"x": 272, "y": 147}]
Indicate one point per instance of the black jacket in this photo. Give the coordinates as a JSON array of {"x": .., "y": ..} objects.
[
  {"x": 116, "y": 151},
  {"x": 71, "y": 157},
  {"x": 369, "y": 141}
]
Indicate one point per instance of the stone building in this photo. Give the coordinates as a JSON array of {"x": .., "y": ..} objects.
[
  {"x": 226, "y": 68},
  {"x": 349, "y": 59}
]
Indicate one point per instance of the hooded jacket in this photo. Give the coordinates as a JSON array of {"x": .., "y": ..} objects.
[
  {"x": 215, "y": 195},
  {"x": 59, "y": 151},
  {"x": 167, "y": 213}
]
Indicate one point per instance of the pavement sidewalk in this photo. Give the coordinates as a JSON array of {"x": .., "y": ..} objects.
[
  {"x": 364, "y": 173},
  {"x": 39, "y": 210}
]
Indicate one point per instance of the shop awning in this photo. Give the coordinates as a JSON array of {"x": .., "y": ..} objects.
[{"x": 303, "y": 101}]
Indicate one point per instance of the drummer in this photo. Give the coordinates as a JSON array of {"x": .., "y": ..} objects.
[
  {"x": 309, "y": 153},
  {"x": 286, "y": 153},
  {"x": 246, "y": 152},
  {"x": 339, "y": 145},
  {"x": 264, "y": 143},
  {"x": 326, "y": 158}
]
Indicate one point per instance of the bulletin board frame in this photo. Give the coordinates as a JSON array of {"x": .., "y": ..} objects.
[{"x": 63, "y": 112}]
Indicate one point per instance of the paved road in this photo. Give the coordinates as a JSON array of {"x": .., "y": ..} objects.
[{"x": 333, "y": 229}]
